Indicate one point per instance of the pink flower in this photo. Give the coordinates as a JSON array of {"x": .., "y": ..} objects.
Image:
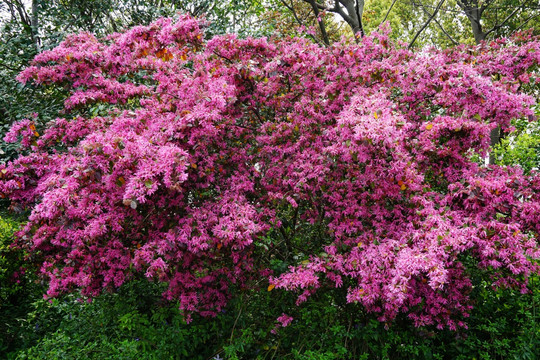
[
  {"x": 357, "y": 159},
  {"x": 283, "y": 321}
]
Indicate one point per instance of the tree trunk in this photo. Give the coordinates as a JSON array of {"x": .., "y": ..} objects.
[
  {"x": 34, "y": 24},
  {"x": 351, "y": 12},
  {"x": 474, "y": 11},
  {"x": 476, "y": 26},
  {"x": 355, "y": 9}
]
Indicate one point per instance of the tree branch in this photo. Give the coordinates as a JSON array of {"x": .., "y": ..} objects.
[
  {"x": 525, "y": 22},
  {"x": 498, "y": 26},
  {"x": 388, "y": 12},
  {"x": 9, "y": 67},
  {"x": 291, "y": 8},
  {"x": 22, "y": 13},
  {"x": 426, "y": 24},
  {"x": 468, "y": 9},
  {"x": 439, "y": 24},
  {"x": 320, "y": 22},
  {"x": 338, "y": 10},
  {"x": 359, "y": 16}
]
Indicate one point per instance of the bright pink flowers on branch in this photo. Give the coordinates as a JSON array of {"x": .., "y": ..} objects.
[{"x": 200, "y": 150}]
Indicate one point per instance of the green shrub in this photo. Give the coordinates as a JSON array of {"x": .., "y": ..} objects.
[
  {"x": 136, "y": 324},
  {"x": 522, "y": 148},
  {"x": 15, "y": 285}
]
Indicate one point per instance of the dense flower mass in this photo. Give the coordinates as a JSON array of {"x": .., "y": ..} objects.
[{"x": 180, "y": 159}]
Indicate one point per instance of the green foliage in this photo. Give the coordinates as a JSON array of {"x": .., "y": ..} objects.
[
  {"x": 16, "y": 285},
  {"x": 125, "y": 325},
  {"x": 136, "y": 323},
  {"x": 450, "y": 26},
  {"x": 10, "y": 261},
  {"x": 18, "y": 101},
  {"x": 522, "y": 149}
]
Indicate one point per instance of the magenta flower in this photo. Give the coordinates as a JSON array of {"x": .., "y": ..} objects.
[{"x": 211, "y": 156}]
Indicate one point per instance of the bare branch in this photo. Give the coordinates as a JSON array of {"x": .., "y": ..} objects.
[
  {"x": 320, "y": 22},
  {"x": 469, "y": 10},
  {"x": 359, "y": 12},
  {"x": 388, "y": 12},
  {"x": 19, "y": 7},
  {"x": 339, "y": 10},
  {"x": 498, "y": 26},
  {"x": 426, "y": 24},
  {"x": 440, "y": 26},
  {"x": 525, "y": 22},
  {"x": 293, "y": 11},
  {"x": 9, "y": 67}
]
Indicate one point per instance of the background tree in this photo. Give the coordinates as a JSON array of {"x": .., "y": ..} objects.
[
  {"x": 350, "y": 11},
  {"x": 297, "y": 18},
  {"x": 496, "y": 18},
  {"x": 451, "y": 23},
  {"x": 466, "y": 21}
]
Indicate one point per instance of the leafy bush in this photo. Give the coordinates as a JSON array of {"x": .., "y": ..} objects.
[
  {"x": 235, "y": 172},
  {"x": 136, "y": 324},
  {"x": 11, "y": 271},
  {"x": 15, "y": 284},
  {"x": 522, "y": 148},
  {"x": 124, "y": 325}
]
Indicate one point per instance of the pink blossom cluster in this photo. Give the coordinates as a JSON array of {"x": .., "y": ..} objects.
[
  {"x": 283, "y": 321},
  {"x": 209, "y": 147}
]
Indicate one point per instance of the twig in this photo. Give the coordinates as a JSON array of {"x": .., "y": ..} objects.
[
  {"x": 426, "y": 24},
  {"x": 320, "y": 22},
  {"x": 293, "y": 11},
  {"x": 440, "y": 26},
  {"x": 498, "y": 26},
  {"x": 237, "y": 317},
  {"x": 388, "y": 12}
]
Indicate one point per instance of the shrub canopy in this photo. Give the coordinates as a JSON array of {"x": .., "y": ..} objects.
[{"x": 196, "y": 163}]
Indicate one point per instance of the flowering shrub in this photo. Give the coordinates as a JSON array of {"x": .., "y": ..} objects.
[{"x": 194, "y": 162}]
